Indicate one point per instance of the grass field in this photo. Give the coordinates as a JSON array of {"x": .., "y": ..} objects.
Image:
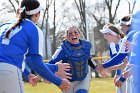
[{"x": 97, "y": 85}]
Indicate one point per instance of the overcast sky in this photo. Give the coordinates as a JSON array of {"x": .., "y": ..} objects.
[{"x": 122, "y": 11}]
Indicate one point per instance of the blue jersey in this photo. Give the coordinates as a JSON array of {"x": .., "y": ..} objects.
[
  {"x": 135, "y": 58},
  {"x": 135, "y": 54},
  {"x": 21, "y": 40},
  {"x": 122, "y": 52},
  {"x": 25, "y": 39},
  {"x": 76, "y": 55},
  {"x": 114, "y": 48}
]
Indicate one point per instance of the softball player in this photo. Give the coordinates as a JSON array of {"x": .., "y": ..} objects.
[
  {"x": 135, "y": 53},
  {"x": 76, "y": 52},
  {"x": 125, "y": 24},
  {"x": 135, "y": 26},
  {"x": 129, "y": 35},
  {"x": 113, "y": 36},
  {"x": 17, "y": 38}
]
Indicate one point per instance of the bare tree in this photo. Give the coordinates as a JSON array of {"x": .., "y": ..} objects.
[
  {"x": 46, "y": 12},
  {"x": 54, "y": 27},
  {"x": 99, "y": 14},
  {"x": 4, "y": 8},
  {"x": 13, "y": 4},
  {"x": 101, "y": 10},
  {"x": 129, "y": 5},
  {"x": 99, "y": 17},
  {"x": 50, "y": 33},
  {"x": 45, "y": 28},
  {"x": 81, "y": 6},
  {"x": 57, "y": 23},
  {"x": 109, "y": 7}
]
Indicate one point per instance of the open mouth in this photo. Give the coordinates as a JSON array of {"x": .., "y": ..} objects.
[{"x": 74, "y": 38}]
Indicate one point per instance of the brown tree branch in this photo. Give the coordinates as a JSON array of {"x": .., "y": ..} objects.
[{"x": 13, "y": 5}]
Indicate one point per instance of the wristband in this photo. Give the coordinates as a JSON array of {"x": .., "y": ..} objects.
[{"x": 122, "y": 79}]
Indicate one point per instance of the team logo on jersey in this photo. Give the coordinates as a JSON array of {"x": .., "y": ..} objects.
[{"x": 12, "y": 33}]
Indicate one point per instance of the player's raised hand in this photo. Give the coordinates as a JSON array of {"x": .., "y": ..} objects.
[
  {"x": 62, "y": 70},
  {"x": 63, "y": 66}
]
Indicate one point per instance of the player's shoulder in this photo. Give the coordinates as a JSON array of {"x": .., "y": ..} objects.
[
  {"x": 29, "y": 25},
  {"x": 28, "y": 22},
  {"x": 85, "y": 42}
]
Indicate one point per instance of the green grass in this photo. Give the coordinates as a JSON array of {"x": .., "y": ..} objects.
[{"x": 97, "y": 85}]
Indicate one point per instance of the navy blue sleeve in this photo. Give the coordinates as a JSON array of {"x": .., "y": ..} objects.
[
  {"x": 40, "y": 67},
  {"x": 25, "y": 74},
  {"x": 58, "y": 56},
  {"x": 115, "y": 60},
  {"x": 52, "y": 67},
  {"x": 119, "y": 57},
  {"x": 114, "y": 48},
  {"x": 35, "y": 53}
]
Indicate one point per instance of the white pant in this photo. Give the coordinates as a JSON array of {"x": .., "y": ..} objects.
[
  {"x": 132, "y": 86},
  {"x": 76, "y": 85},
  {"x": 127, "y": 87},
  {"x": 121, "y": 89},
  {"x": 10, "y": 79}
]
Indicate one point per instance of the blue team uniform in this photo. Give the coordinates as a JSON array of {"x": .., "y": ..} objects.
[
  {"x": 114, "y": 48},
  {"x": 135, "y": 57},
  {"x": 26, "y": 39},
  {"x": 113, "y": 52},
  {"x": 117, "y": 59},
  {"x": 77, "y": 56}
]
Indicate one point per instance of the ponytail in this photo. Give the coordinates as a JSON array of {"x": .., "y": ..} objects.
[
  {"x": 121, "y": 35},
  {"x": 32, "y": 7},
  {"x": 21, "y": 17}
]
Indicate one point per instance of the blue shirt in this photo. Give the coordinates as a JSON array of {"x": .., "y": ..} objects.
[
  {"x": 122, "y": 52},
  {"x": 114, "y": 48},
  {"x": 25, "y": 39},
  {"x": 60, "y": 54}
]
